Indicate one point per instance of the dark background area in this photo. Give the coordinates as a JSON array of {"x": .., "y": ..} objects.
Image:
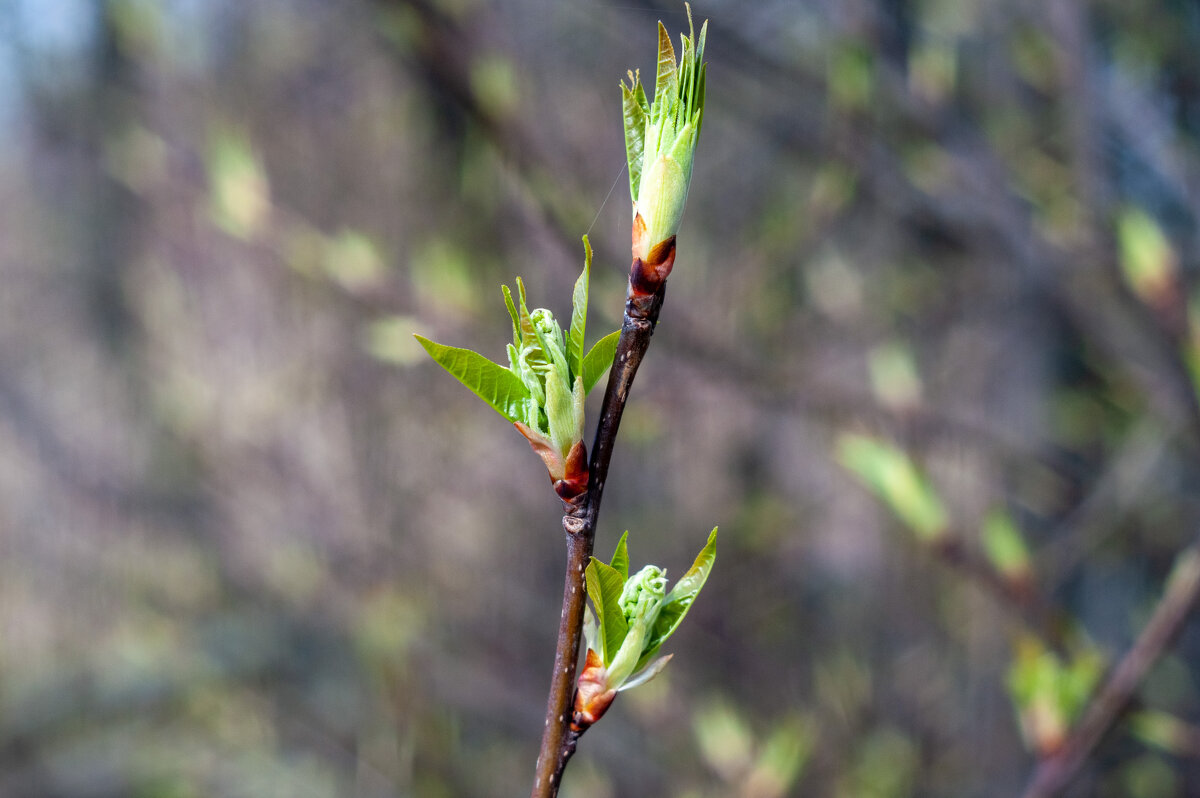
[{"x": 254, "y": 543}]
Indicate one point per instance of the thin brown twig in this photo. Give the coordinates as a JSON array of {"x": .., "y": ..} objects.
[
  {"x": 1021, "y": 597},
  {"x": 579, "y": 526},
  {"x": 1055, "y": 772}
]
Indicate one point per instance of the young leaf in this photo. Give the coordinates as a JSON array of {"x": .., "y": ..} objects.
[
  {"x": 633, "y": 105},
  {"x": 665, "y": 80},
  {"x": 512, "y": 311},
  {"x": 620, "y": 558},
  {"x": 560, "y": 412},
  {"x": 492, "y": 383},
  {"x": 526, "y": 323},
  {"x": 648, "y": 673},
  {"x": 680, "y": 599},
  {"x": 597, "y": 361},
  {"x": 545, "y": 345},
  {"x": 626, "y": 659},
  {"x": 579, "y": 303},
  {"x": 604, "y": 584},
  {"x": 591, "y": 631}
]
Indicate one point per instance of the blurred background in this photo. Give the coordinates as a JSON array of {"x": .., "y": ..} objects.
[{"x": 927, "y": 359}]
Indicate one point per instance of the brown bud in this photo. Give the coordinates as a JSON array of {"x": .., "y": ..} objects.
[
  {"x": 574, "y": 482},
  {"x": 645, "y": 276},
  {"x": 592, "y": 696}
]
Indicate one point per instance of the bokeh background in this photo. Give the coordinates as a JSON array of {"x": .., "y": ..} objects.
[{"x": 253, "y": 543}]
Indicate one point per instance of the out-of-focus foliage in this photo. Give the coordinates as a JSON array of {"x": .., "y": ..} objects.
[
  {"x": 252, "y": 542},
  {"x": 892, "y": 476},
  {"x": 1050, "y": 693},
  {"x": 1005, "y": 548}
]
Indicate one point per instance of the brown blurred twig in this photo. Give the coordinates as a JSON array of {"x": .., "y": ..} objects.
[{"x": 1055, "y": 772}]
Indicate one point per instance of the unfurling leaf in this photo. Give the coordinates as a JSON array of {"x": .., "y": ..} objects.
[
  {"x": 680, "y": 599},
  {"x": 635, "y": 109},
  {"x": 660, "y": 146},
  {"x": 665, "y": 80},
  {"x": 620, "y": 558},
  {"x": 579, "y": 303},
  {"x": 598, "y": 360},
  {"x": 604, "y": 584},
  {"x": 491, "y": 382},
  {"x": 633, "y": 616}
]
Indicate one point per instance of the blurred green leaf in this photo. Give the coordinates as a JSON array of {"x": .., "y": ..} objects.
[
  {"x": 894, "y": 378},
  {"x": 353, "y": 261},
  {"x": 782, "y": 760},
  {"x": 892, "y": 477},
  {"x": 494, "y": 84},
  {"x": 851, "y": 77},
  {"x": 240, "y": 191},
  {"x": 724, "y": 738},
  {"x": 500, "y": 388},
  {"x": 1005, "y": 547},
  {"x": 445, "y": 276},
  {"x": 885, "y": 766},
  {"x": 1164, "y": 731},
  {"x": 1147, "y": 259},
  {"x": 390, "y": 339},
  {"x": 1049, "y": 693},
  {"x": 1149, "y": 776}
]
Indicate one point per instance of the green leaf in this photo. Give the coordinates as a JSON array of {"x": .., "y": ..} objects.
[
  {"x": 695, "y": 102},
  {"x": 604, "y": 584},
  {"x": 633, "y": 106},
  {"x": 680, "y": 599},
  {"x": 620, "y": 558},
  {"x": 560, "y": 413},
  {"x": 597, "y": 361},
  {"x": 665, "y": 82},
  {"x": 579, "y": 303},
  {"x": 492, "y": 383},
  {"x": 591, "y": 632},
  {"x": 526, "y": 323},
  {"x": 647, "y": 673},
  {"x": 512, "y": 311},
  {"x": 627, "y": 658},
  {"x": 545, "y": 345}
]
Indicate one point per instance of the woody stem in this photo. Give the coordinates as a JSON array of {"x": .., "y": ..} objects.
[{"x": 579, "y": 527}]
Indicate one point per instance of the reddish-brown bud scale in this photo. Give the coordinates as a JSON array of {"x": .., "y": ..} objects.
[
  {"x": 646, "y": 276},
  {"x": 592, "y": 696},
  {"x": 575, "y": 475},
  {"x": 540, "y": 447}
]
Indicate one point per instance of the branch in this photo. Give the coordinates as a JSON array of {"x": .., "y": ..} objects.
[
  {"x": 1022, "y": 598},
  {"x": 1055, "y": 772},
  {"x": 579, "y": 525}
]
